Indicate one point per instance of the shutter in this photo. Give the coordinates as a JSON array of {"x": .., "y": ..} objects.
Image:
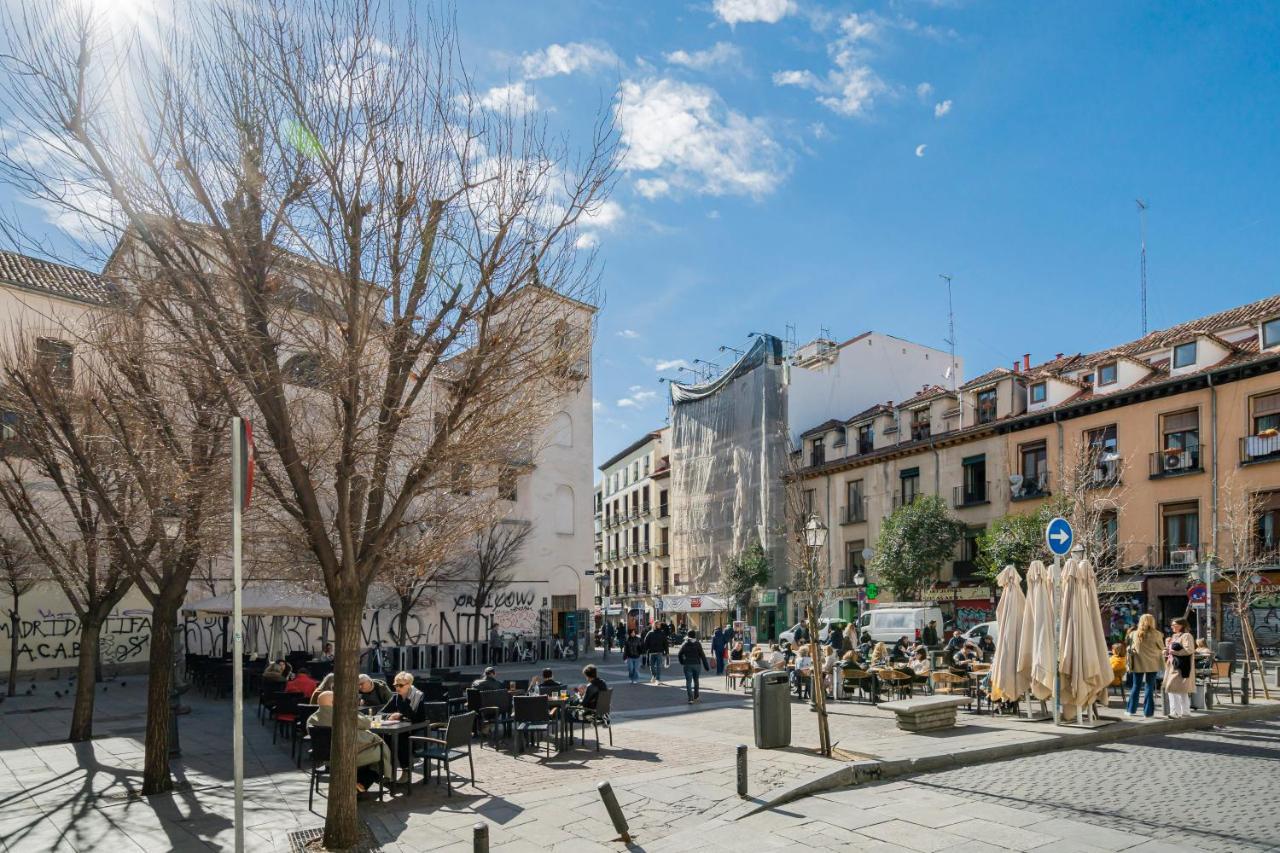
[
  {"x": 908, "y": 473},
  {"x": 1268, "y": 404},
  {"x": 974, "y": 460},
  {"x": 1183, "y": 421}
]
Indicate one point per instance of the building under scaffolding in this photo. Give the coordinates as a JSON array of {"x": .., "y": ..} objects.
[{"x": 729, "y": 450}]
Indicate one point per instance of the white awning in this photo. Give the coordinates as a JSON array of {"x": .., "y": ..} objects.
[
  {"x": 268, "y": 600},
  {"x": 692, "y": 603}
]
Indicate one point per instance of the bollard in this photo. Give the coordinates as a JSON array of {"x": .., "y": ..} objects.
[
  {"x": 615, "y": 812},
  {"x": 1244, "y": 686},
  {"x": 480, "y": 838},
  {"x": 742, "y": 770}
]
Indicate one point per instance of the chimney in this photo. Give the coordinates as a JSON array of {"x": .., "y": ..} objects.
[
  {"x": 1015, "y": 365},
  {"x": 1059, "y": 355},
  {"x": 1026, "y": 361}
]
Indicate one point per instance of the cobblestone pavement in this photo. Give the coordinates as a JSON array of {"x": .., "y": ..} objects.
[{"x": 1212, "y": 791}]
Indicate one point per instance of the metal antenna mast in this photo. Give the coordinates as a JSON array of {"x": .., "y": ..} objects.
[
  {"x": 951, "y": 341},
  {"x": 1142, "y": 231}
]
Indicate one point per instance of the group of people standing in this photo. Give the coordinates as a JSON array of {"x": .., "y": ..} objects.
[{"x": 1147, "y": 654}]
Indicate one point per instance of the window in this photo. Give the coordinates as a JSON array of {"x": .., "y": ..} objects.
[
  {"x": 1271, "y": 333},
  {"x": 810, "y": 496},
  {"x": 507, "y": 485},
  {"x": 974, "y": 489},
  {"x": 1266, "y": 413},
  {"x": 909, "y": 486},
  {"x": 818, "y": 452},
  {"x": 1108, "y": 537},
  {"x": 866, "y": 438},
  {"x": 1039, "y": 392},
  {"x": 1034, "y": 461},
  {"x": 1267, "y": 533},
  {"x": 1107, "y": 374},
  {"x": 841, "y": 435},
  {"x": 1180, "y": 441},
  {"x": 987, "y": 406},
  {"x": 1180, "y": 527},
  {"x": 303, "y": 370},
  {"x": 853, "y": 506},
  {"x": 11, "y": 443},
  {"x": 1184, "y": 355},
  {"x": 54, "y": 358},
  {"x": 966, "y": 568},
  {"x": 853, "y": 561},
  {"x": 920, "y": 424},
  {"x": 663, "y": 506},
  {"x": 1087, "y": 379},
  {"x": 1104, "y": 455}
]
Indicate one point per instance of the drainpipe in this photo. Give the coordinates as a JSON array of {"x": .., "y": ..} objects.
[
  {"x": 831, "y": 526},
  {"x": 1213, "y": 502},
  {"x": 937, "y": 469},
  {"x": 1061, "y": 457}
]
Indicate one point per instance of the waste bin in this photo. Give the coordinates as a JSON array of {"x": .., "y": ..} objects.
[{"x": 772, "y": 710}]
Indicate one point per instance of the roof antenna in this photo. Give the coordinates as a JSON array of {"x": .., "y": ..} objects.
[
  {"x": 1142, "y": 232},
  {"x": 952, "y": 373}
]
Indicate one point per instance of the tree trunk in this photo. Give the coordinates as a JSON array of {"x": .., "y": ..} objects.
[
  {"x": 819, "y": 693},
  {"x": 15, "y": 625},
  {"x": 405, "y": 607},
  {"x": 82, "y": 712},
  {"x": 341, "y": 823},
  {"x": 155, "y": 768}
]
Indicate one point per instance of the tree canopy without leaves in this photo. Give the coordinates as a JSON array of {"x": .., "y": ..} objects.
[{"x": 915, "y": 543}]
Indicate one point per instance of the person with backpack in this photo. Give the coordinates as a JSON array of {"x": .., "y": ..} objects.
[
  {"x": 658, "y": 646},
  {"x": 691, "y": 657},
  {"x": 632, "y": 649},
  {"x": 718, "y": 643}
]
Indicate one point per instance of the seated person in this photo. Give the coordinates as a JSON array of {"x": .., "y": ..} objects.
[
  {"x": 803, "y": 673},
  {"x": 548, "y": 685},
  {"x": 277, "y": 672},
  {"x": 736, "y": 652},
  {"x": 407, "y": 704},
  {"x": 920, "y": 662},
  {"x": 901, "y": 650},
  {"x": 326, "y": 652},
  {"x": 851, "y": 660},
  {"x": 955, "y": 644},
  {"x": 595, "y": 684},
  {"x": 987, "y": 647},
  {"x": 1117, "y": 664},
  {"x": 490, "y": 680},
  {"x": 533, "y": 686},
  {"x": 373, "y": 757},
  {"x": 372, "y": 692},
  {"x": 880, "y": 655},
  {"x": 789, "y": 653},
  {"x": 303, "y": 684},
  {"x": 966, "y": 657},
  {"x": 757, "y": 660},
  {"x": 1204, "y": 656},
  {"x": 774, "y": 658},
  {"x": 865, "y": 645},
  {"x": 326, "y": 684}
]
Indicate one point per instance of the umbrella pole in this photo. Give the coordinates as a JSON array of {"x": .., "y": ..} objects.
[{"x": 1055, "y": 578}]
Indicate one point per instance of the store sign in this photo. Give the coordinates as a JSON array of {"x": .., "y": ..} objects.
[
  {"x": 962, "y": 593},
  {"x": 1113, "y": 587},
  {"x": 767, "y": 598}
]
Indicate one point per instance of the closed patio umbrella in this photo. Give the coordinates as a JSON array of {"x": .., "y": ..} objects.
[
  {"x": 1083, "y": 664},
  {"x": 1005, "y": 684},
  {"x": 1035, "y": 646}
]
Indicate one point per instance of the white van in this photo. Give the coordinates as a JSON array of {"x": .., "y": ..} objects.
[{"x": 888, "y": 623}]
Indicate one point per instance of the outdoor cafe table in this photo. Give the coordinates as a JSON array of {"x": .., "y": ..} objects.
[
  {"x": 564, "y": 731},
  {"x": 392, "y": 732}
]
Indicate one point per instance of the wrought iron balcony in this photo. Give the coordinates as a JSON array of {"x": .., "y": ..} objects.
[
  {"x": 971, "y": 495},
  {"x": 1175, "y": 462}
]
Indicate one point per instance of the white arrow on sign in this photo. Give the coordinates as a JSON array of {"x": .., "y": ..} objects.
[{"x": 1059, "y": 537}]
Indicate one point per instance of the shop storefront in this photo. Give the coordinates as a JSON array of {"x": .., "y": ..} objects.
[
  {"x": 702, "y": 613},
  {"x": 1123, "y": 602},
  {"x": 770, "y": 611},
  {"x": 963, "y": 606},
  {"x": 1166, "y": 598}
]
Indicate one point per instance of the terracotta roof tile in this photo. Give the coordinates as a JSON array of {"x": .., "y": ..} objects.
[
  {"x": 987, "y": 378},
  {"x": 929, "y": 392},
  {"x": 55, "y": 279}
]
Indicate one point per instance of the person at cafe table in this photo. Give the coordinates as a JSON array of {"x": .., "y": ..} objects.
[
  {"x": 490, "y": 680},
  {"x": 595, "y": 686},
  {"x": 548, "y": 686},
  {"x": 372, "y": 691},
  {"x": 407, "y": 704},
  {"x": 303, "y": 684}
]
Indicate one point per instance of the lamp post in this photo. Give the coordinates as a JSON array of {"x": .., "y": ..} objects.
[
  {"x": 954, "y": 583},
  {"x": 169, "y": 515},
  {"x": 815, "y": 539}
]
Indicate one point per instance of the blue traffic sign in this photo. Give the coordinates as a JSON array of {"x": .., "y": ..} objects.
[{"x": 1059, "y": 536}]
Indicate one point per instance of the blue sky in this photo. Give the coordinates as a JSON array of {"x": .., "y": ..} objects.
[{"x": 775, "y": 172}]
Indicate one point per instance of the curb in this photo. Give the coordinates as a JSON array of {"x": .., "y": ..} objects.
[{"x": 879, "y": 770}]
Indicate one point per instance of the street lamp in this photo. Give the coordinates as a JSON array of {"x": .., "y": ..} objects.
[
  {"x": 954, "y": 583},
  {"x": 169, "y": 515},
  {"x": 815, "y": 532}
]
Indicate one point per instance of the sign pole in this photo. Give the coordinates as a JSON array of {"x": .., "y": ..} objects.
[
  {"x": 1059, "y": 537},
  {"x": 238, "y": 452}
]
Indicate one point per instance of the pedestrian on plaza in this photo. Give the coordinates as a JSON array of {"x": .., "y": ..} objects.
[
  {"x": 1179, "y": 682},
  {"x": 632, "y": 649},
  {"x": 495, "y": 643},
  {"x": 850, "y": 637},
  {"x": 930, "y": 634},
  {"x": 717, "y": 648},
  {"x": 608, "y": 639},
  {"x": 1145, "y": 650},
  {"x": 657, "y": 646},
  {"x": 691, "y": 657}
]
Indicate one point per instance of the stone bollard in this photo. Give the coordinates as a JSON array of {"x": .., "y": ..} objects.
[
  {"x": 480, "y": 838},
  {"x": 1244, "y": 686},
  {"x": 615, "y": 812},
  {"x": 742, "y": 770}
]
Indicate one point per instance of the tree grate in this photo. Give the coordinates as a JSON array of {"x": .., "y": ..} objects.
[{"x": 309, "y": 840}]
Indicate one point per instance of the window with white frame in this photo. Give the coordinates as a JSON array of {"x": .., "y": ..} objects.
[{"x": 1184, "y": 355}]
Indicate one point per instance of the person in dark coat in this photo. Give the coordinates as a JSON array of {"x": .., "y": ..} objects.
[
  {"x": 608, "y": 639},
  {"x": 408, "y": 704},
  {"x": 717, "y": 648},
  {"x": 694, "y": 660},
  {"x": 595, "y": 685},
  {"x": 548, "y": 686},
  {"x": 930, "y": 634}
]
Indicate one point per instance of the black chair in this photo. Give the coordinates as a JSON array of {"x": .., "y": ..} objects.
[
  {"x": 598, "y": 716},
  {"x": 300, "y": 741},
  {"x": 531, "y": 714},
  {"x": 321, "y": 741},
  {"x": 495, "y": 707},
  {"x": 284, "y": 714},
  {"x": 455, "y": 744},
  {"x": 434, "y": 691}
]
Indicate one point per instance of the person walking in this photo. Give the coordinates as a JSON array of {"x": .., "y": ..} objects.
[
  {"x": 658, "y": 647},
  {"x": 1179, "y": 682},
  {"x": 608, "y": 638},
  {"x": 694, "y": 660},
  {"x": 632, "y": 649},
  {"x": 718, "y": 645},
  {"x": 930, "y": 634},
  {"x": 1144, "y": 653}
]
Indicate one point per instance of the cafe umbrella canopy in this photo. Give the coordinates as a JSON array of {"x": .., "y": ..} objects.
[
  {"x": 274, "y": 600},
  {"x": 1083, "y": 663},
  {"x": 1008, "y": 683}
]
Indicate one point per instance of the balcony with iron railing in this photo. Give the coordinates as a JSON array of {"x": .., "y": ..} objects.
[
  {"x": 664, "y": 511},
  {"x": 661, "y": 550},
  {"x": 865, "y": 446},
  {"x": 1174, "y": 559},
  {"x": 1105, "y": 473},
  {"x": 854, "y": 513},
  {"x": 1259, "y": 448},
  {"x": 637, "y": 589},
  {"x": 1175, "y": 461},
  {"x": 974, "y": 494},
  {"x": 1029, "y": 487},
  {"x": 849, "y": 576}
]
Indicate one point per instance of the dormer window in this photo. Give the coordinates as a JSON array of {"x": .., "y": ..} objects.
[
  {"x": 987, "y": 406},
  {"x": 819, "y": 451},
  {"x": 1107, "y": 374},
  {"x": 1039, "y": 392},
  {"x": 1271, "y": 333},
  {"x": 840, "y": 436},
  {"x": 1184, "y": 355}
]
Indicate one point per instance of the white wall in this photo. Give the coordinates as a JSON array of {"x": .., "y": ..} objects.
[{"x": 872, "y": 369}]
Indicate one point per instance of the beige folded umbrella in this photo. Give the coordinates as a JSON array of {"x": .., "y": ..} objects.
[
  {"x": 1082, "y": 662},
  {"x": 1005, "y": 683},
  {"x": 1035, "y": 641}
]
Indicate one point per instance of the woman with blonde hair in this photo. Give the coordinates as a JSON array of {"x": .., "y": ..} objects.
[
  {"x": 880, "y": 655},
  {"x": 1179, "y": 681},
  {"x": 326, "y": 684},
  {"x": 1146, "y": 647}
]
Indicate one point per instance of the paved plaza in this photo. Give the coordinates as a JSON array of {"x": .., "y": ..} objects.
[{"x": 671, "y": 764}]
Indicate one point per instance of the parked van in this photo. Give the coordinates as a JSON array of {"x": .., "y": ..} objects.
[
  {"x": 888, "y": 623},
  {"x": 977, "y": 632}
]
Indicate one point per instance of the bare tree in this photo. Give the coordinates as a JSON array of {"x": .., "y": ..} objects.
[
  {"x": 314, "y": 198},
  {"x": 19, "y": 572},
  {"x": 1091, "y": 498},
  {"x": 492, "y": 564},
  {"x": 1239, "y": 566}
]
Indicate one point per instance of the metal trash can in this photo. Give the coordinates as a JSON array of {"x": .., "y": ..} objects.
[{"x": 771, "y": 710}]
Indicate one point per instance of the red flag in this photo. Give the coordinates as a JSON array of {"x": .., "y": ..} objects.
[{"x": 247, "y": 462}]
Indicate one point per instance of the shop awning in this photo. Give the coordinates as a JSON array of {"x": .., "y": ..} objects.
[
  {"x": 693, "y": 604},
  {"x": 268, "y": 600}
]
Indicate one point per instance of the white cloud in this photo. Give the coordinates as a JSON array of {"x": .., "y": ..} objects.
[
  {"x": 588, "y": 240},
  {"x": 920, "y": 150},
  {"x": 819, "y": 130},
  {"x": 569, "y": 58},
  {"x": 629, "y": 334},
  {"x": 851, "y": 85},
  {"x": 713, "y": 214},
  {"x": 638, "y": 399},
  {"x": 517, "y": 97},
  {"x": 939, "y": 110},
  {"x": 924, "y": 90},
  {"x": 753, "y": 11},
  {"x": 670, "y": 364},
  {"x": 803, "y": 79},
  {"x": 603, "y": 216},
  {"x": 721, "y": 53},
  {"x": 686, "y": 138}
]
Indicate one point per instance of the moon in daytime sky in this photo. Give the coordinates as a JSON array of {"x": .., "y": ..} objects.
[{"x": 920, "y": 150}]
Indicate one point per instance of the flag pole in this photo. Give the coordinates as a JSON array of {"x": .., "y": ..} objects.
[{"x": 238, "y": 453}]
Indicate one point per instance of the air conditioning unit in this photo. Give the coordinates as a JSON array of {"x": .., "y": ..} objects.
[
  {"x": 1182, "y": 558},
  {"x": 1177, "y": 461}
]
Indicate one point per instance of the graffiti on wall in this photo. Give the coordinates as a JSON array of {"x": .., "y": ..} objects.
[
  {"x": 1264, "y": 618},
  {"x": 968, "y": 617},
  {"x": 48, "y": 638}
]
